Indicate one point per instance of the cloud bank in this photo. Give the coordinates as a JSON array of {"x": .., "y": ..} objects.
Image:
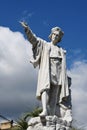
[
  {"x": 79, "y": 90},
  {"x": 18, "y": 78},
  {"x": 17, "y": 87}
]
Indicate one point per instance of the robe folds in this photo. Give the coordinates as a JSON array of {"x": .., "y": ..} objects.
[{"x": 41, "y": 58}]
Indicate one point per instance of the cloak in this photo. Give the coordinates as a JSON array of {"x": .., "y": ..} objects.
[{"x": 41, "y": 56}]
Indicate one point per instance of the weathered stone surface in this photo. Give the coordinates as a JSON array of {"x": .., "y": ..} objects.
[{"x": 48, "y": 122}]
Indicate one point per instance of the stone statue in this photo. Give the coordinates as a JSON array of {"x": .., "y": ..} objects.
[{"x": 53, "y": 87}]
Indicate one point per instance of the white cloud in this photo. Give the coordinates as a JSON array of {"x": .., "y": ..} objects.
[
  {"x": 17, "y": 75},
  {"x": 79, "y": 90}
]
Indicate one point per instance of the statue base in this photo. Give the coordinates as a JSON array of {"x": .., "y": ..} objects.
[{"x": 48, "y": 123}]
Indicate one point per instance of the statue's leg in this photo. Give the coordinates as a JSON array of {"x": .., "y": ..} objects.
[{"x": 44, "y": 99}]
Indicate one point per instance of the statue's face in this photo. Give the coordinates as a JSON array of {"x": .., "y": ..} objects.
[{"x": 55, "y": 37}]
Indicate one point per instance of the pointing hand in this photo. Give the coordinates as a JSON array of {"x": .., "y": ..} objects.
[{"x": 23, "y": 24}]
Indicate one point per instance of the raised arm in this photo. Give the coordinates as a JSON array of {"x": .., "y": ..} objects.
[{"x": 30, "y": 35}]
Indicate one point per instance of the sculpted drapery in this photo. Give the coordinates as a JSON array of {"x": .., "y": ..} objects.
[{"x": 41, "y": 57}]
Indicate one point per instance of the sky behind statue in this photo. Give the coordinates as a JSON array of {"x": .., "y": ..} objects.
[{"x": 15, "y": 74}]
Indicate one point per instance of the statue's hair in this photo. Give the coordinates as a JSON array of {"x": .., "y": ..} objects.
[{"x": 61, "y": 33}]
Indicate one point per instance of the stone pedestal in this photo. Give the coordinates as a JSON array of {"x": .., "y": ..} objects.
[{"x": 48, "y": 123}]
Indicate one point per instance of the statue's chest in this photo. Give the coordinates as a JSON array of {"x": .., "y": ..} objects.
[{"x": 54, "y": 51}]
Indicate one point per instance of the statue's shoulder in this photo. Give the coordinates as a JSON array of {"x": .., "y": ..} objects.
[{"x": 63, "y": 50}]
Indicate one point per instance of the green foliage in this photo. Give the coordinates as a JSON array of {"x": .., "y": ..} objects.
[
  {"x": 74, "y": 128},
  {"x": 34, "y": 113},
  {"x": 23, "y": 125},
  {"x": 15, "y": 128},
  {"x": 77, "y": 128}
]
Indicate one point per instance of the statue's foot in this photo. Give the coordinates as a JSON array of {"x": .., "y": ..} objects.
[{"x": 43, "y": 113}]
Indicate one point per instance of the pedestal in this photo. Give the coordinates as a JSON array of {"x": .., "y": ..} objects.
[{"x": 48, "y": 123}]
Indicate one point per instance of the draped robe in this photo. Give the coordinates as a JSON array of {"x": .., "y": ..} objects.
[{"x": 41, "y": 57}]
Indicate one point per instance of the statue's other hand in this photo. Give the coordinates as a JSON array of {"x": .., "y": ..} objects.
[{"x": 23, "y": 24}]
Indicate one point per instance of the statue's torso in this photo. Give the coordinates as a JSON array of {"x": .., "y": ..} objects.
[{"x": 55, "y": 64}]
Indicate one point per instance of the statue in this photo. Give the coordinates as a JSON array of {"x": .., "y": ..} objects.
[{"x": 53, "y": 87}]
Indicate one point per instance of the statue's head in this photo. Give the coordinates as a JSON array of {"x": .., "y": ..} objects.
[{"x": 56, "y": 35}]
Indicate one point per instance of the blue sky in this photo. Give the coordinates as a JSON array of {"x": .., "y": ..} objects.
[
  {"x": 41, "y": 16},
  {"x": 70, "y": 15}
]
